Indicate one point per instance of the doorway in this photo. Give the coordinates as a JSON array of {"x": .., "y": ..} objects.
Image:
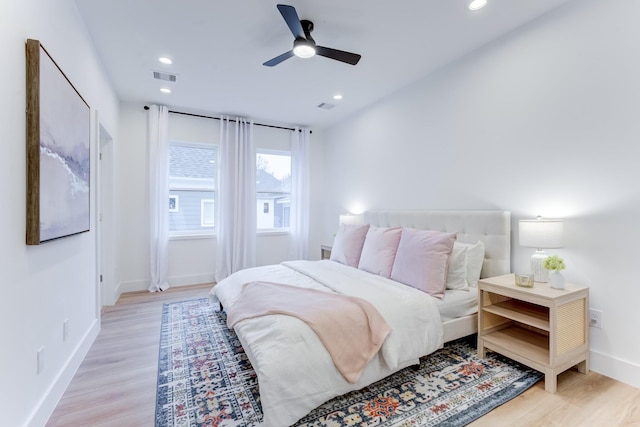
[{"x": 105, "y": 220}]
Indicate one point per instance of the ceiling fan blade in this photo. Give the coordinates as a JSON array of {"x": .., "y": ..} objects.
[
  {"x": 338, "y": 55},
  {"x": 291, "y": 18},
  {"x": 278, "y": 59}
]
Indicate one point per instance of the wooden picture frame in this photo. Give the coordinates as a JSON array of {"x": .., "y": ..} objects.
[{"x": 58, "y": 151}]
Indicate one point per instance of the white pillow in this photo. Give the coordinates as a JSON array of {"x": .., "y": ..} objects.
[
  {"x": 465, "y": 265},
  {"x": 475, "y": 259},
  {"x": 457, "y": 270}
]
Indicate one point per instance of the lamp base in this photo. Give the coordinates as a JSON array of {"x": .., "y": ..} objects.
[{"x": 540, "y": 274}]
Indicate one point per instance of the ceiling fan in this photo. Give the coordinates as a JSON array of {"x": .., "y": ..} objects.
[{"x": 304, "y": 46}]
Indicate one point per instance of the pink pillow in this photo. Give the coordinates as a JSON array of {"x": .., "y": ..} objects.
[
  {"x": 379, "y": 250},
  {"x": 421, "y": 261},
  {"x": 347, "y": 245}
]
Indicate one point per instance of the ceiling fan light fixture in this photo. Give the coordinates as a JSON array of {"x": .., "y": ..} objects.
[
  {"x": 477, "y": 4},
  {"x": 303, "y": 49},
  {"x": 304, "y": 46}
]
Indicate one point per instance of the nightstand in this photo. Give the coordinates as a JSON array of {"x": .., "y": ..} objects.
[
  {"x": 543, "y": 328},
  {"x": 325, "y": 252}
]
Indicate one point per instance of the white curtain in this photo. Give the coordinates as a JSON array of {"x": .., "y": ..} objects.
[
  {"x": 299, "y": 213},
  {"x": 158, "y": 146},
  {"x": 236, "y": 200}
]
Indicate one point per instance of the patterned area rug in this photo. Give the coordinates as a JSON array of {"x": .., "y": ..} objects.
[{"x": 205, "y": 379}]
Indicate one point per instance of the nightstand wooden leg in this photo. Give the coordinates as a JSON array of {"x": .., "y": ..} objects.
[
  {"x": 551, "y": 382},
  {"x": 481, "y": 349},
  {"x": 583, "y": 367}
]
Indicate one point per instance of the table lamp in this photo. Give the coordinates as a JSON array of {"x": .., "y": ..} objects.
[
  {"x": 540, "y": 234},
  {"x": 350, "y": 219}
]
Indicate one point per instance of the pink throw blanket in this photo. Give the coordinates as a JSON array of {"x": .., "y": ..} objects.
[{"x": 351, "y": 329}]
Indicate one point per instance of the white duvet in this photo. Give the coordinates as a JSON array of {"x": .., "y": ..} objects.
[{"x": 295, "y": 372}]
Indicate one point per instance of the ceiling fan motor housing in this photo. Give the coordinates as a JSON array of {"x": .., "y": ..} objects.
[{"x": 307, "y": 27}]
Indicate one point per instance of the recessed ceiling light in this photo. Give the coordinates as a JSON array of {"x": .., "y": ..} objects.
[
  {"x": 337, "y": 97},
  {"x": 165, "y": 90},
  {"x": 477, "y": 4},
  {"x": 164, "y": 60}
]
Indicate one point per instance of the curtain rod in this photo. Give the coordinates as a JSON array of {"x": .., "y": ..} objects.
[{"x": 146, "y": 107}]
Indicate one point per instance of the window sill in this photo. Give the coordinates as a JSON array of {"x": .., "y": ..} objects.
[
  {"x": 188, "y": 236},
  {"x": 272, "y": 232}
]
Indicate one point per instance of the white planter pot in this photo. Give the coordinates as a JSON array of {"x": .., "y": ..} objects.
[{"x": 556, "y": 280}]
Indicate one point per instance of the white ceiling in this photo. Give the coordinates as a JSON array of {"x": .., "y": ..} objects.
[{"x": 218, "y": 47}]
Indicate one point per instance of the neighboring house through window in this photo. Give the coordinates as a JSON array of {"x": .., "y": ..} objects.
[
  {"x": 192, "y": 188},
  {"x": 273, "y": 189},
  {"x": 192, "y": 172}
]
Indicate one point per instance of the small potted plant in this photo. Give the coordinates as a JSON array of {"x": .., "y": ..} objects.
[{"x": 555, "y": 264}]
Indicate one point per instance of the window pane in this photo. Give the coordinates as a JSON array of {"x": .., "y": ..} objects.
[
  {"x": 192, "y": 160},
  {"x": 192, "y": 172},
  {"x": 207, "y": 208},
  {"x": 273, "y": 187}
]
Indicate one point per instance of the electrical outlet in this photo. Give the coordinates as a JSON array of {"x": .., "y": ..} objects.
[
  {"x": 40, "y": 357},
  {"x": 595, "y": 318},
  {"x": 65, "y": 329}
]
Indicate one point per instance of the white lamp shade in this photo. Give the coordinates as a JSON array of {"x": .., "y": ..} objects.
[
  {"x": 541, "y": 233},
  {"x": 350, "y": 219}
]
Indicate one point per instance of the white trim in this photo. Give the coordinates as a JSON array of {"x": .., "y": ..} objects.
[
  {"x": 612, "y": 367},
  {"x": 186, "y": 235},
  {"x": 203, "y": 202},
  {"x": 192, "y": 144},
  {"x": 195, "y": 279},
  {"x": 133, "y": 286},
  {"x": 273, "y": 152},
  {"x": 142, "y": 285},
  {"x": 273, "y": 231},
  {"x": 191, "y": 184},
  {"x": 45, "y": 407}
]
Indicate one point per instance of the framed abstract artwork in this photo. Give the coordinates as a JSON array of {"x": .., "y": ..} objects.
[{"x": 58, "y": 151}]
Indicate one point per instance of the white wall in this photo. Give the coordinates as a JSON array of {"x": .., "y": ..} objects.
[
  {"x": 43, "y": 285},
  {"x": 544, "y": 121},
  {"x": 191, "y": 260}
]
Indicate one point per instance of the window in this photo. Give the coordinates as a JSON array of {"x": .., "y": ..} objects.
[
  {"x": 273, "y": 189},
  {"x": 174, "y": 203},
  {"x": 192, "y": 172},
  {"x": 207, "y": 213}
]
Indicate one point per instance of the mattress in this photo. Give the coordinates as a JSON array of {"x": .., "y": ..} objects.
[{"x": 458, "y": 303}]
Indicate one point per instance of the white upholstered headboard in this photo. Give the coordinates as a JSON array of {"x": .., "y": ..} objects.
[{"x": 492, "y": 227}]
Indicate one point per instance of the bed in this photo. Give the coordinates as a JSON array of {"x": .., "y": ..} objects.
[{"x": 295, "y": 371}]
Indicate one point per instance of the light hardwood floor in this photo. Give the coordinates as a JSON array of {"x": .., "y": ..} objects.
[{"x": 116, "y": 383}]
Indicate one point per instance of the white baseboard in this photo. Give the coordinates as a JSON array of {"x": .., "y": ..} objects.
[
  {"x": 621, "y": 370},
  {"x": 134, "y": 286},
  {"x": 49, "y": 401},
  {"x": 192, "y": 280},
  {"x": 143, "y": 285}
]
